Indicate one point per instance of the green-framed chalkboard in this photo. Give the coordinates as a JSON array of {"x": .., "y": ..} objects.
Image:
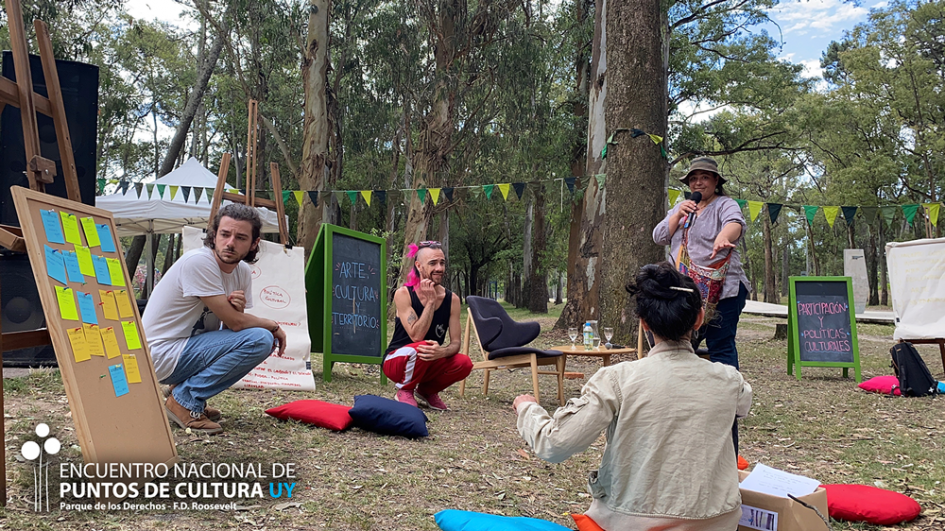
[
  {"x": 822, "y": 325},
  {"x": 346, "y": 293}
]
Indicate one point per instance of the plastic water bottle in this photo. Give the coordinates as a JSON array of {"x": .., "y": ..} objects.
[{"x": 588, "y": 336}]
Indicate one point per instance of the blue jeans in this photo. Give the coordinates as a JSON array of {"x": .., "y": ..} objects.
[
  {"x": 720, "y": 336},
  {"x": 213, "y": 361}
]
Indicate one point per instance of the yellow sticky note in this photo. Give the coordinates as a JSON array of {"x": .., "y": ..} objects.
[
  {"x": 66, "y": 298},
  {"x": 85, "y": 260},
  {"x": 124, "y": 304},
  {"x": 80, "y": 349},
  {"x": 70, "y": 225},
  {"x": 111, "y": 342},
  {"x": 91, "y": 232},
  {"x": 131, "y": 335},
  {"x": 116, "y": 272},
  {"x": 131, "y": 368},
  {"x": 94, "y": 339},
  {"x": 108, "y": 304}
]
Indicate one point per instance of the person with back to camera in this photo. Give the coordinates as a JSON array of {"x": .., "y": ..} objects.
[{"x": 669, "y": 463}]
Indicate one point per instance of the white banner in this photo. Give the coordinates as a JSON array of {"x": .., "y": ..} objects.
[
  {"x": 917, "y": 282},
  {"x": 278, "y": 294}
]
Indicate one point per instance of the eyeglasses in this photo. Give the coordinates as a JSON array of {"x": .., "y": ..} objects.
[{"x": 430, "y": 243}]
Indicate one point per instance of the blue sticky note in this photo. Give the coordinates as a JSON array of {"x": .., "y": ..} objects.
[
  {"x": 72, "y": 267},
  {"x": 52, "y": 226},
  {"x": 87, "y": 307},
  {"x": 105, "y": 237},
  {"x": 118, "y": 379},
  {"x": 101, "y": 270},
  {"x": 55, "y": 266}
]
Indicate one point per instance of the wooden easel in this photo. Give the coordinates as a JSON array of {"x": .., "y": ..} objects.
[
  {"x": 249, "y": 198},
  {"x": 40, "y": 171}
]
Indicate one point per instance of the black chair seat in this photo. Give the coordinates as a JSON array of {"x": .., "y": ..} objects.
[{"x": 515, "y": 351}]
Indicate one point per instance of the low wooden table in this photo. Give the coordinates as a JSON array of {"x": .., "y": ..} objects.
[{"x": 599, "y": 352}]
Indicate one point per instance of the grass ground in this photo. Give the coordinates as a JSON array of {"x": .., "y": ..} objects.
[{"x": 822, "y": 426}]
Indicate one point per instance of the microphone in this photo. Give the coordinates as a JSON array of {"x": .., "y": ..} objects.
[{"x": 696, "y": 196}]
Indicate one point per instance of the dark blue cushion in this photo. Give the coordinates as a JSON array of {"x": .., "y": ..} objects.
[
  {"x": 388, "y": 417},
  {"x": 453, "y": 520},
  {"x": 515, "y": 351}
]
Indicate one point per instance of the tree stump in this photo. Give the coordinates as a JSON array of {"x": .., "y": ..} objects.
[{"x": 780, "y": 331}]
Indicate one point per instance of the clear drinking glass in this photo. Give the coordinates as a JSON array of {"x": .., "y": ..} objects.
[
  {"x": 573, "y": 334},
  {"x": 608, "y": 333}
]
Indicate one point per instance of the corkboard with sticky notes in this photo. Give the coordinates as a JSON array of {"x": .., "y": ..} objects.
[{"x": 95, "y": 329}]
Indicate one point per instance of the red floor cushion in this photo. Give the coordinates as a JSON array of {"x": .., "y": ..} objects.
[
  {"x": 321, "y": 414},
  {"x": 864, "y": 503},
  {"x": 882, "y": 384},
  {"x": 585, "y": 523}
]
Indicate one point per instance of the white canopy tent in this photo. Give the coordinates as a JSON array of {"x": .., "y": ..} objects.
[{"x": 172, "y": 203}]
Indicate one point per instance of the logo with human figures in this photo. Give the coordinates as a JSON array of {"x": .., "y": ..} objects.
[{"x": 38, "y": 456}]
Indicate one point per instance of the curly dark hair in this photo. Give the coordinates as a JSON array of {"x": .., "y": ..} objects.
[
  {"x": 668, "y": 301},
  {"x": 238, "y": 212}
]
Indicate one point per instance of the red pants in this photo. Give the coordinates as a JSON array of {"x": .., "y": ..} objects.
[{"x": 409, "y": 372}]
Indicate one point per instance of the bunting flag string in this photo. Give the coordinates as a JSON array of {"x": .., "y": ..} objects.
[{"x": 930, "y": 211}]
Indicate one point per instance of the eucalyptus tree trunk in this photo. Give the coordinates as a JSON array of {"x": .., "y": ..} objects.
[
  {"x": 316, "y": 127},
  {"x": 771, "y": 290},
  {"x": 584, "y": 241},
  {"x": 637, "y": 37},
  {"x": 536, "y": 281}
]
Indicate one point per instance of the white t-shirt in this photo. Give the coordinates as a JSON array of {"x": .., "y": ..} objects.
[{"x": 175, "y": 311}]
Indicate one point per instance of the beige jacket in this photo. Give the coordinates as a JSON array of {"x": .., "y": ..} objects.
[{"x": 668, "y": 420}]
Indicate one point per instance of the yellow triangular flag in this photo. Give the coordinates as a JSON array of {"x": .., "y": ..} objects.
[
  {"x": 932, "y": 210},
  {"x": 754, "y": 208},
  {"x": 173, "y": 191},
  {"x": 299, "y": 195},
  {"x": 673, "y": 196},
  {"x": 366, "y": 194},
  {"x": 435, "y": 194},
  {"x": 655, "y": 138},
  {"x": 831, "y": 214},
  {"x": 504, "y": 188}
]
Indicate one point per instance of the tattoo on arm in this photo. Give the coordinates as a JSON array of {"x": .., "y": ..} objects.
[{"x": 412, "y": 318}]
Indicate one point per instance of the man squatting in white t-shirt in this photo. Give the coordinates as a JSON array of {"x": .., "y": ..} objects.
[{"x": 201, "y": 340}]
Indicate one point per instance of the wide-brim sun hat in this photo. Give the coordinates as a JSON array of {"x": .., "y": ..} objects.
[{"x": 705, "y": 164}]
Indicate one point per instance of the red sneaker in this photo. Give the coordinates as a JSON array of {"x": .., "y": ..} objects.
[
  {"x": 405, "y": 397},
  {"x": 433, "y": 401}
]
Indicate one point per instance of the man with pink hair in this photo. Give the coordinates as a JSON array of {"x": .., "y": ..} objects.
[{"x": 416, "y": 359}]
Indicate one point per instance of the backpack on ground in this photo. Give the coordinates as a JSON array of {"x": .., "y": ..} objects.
[{"x": 914, "y": 377}]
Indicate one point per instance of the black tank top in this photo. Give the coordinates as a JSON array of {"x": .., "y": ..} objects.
[{"x": 438, "y": 326}]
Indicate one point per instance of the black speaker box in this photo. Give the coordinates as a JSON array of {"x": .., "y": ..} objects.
[
  {"x": 79, "y": 84},
  {"x": 21, "y": 310},
  {"x": 20, "y": 305}
]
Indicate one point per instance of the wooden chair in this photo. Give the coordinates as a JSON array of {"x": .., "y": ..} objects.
[{"x": 502, "y": 341}]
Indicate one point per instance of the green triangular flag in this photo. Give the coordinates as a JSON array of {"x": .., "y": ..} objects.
[
  {"x": 603, "y": 152},
  {"x": 810, "y": 211},
  {"x": 101, "y": 186},
  {"x": 422, "y": 195},
  {"x": 161, "y": 188},
  {"x": 909, "y": 211},
  {"x": 830, "y": 212},
  {"x": 848, "y": 213},
  {"x": 600, "y": 180},
  {"x": 889, "y": 212},
  {"x": 932, "y": 210},
  {"x": 352, "y": 196},
  {"x": 869, "y": 214},
  {"x": 198, "y": 191},
  {"x": 673, "y": 196},
  {"x": 150, "y": 188},
  {"x": 741, "y": 203},
  {"x": 487, "y": 188},
  {"x": 663, "y": 152},
  {"x": 773, "y": 210},
  {"x": 473, "y": 192},
  {"x": 285, "y": 196},
  {"x": 338, "y": 195},
  {"x": 138, "y": 188}
]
